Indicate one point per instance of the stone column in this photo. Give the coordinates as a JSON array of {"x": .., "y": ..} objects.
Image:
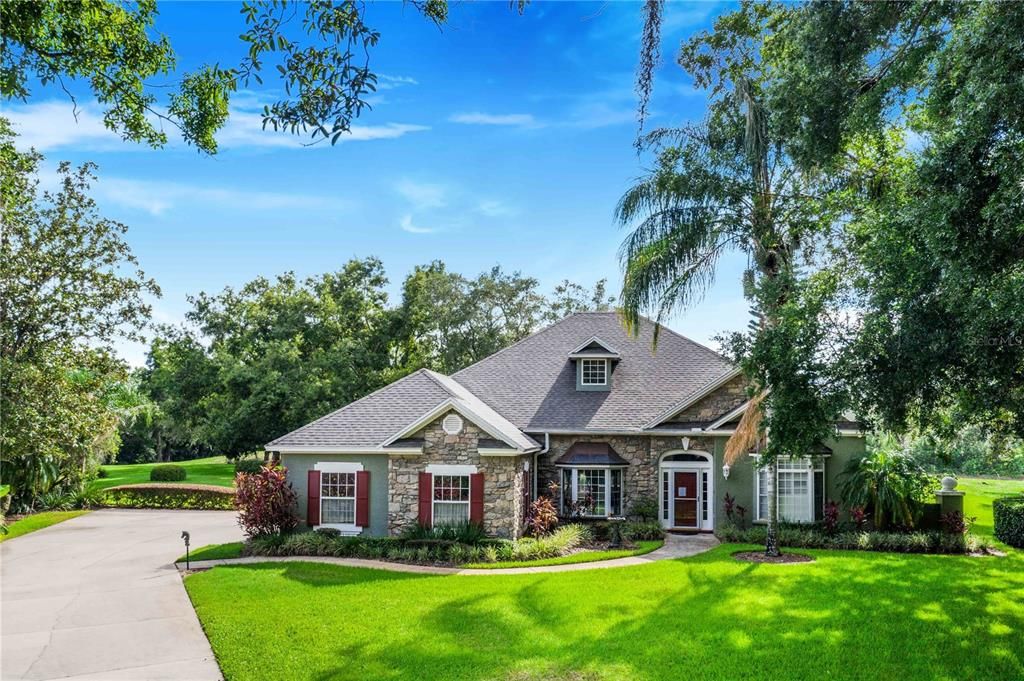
[{"x": 950, "y": 499}]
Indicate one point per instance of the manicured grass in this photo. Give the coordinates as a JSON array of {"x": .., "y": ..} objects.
[
  {"x": 215, "y": 552},
  {"x": 848, "y": 615},
  {"x": 978, "y": 497},
  {"x": 642, "y": 547},
  {"x": 214, "y": 470},
  {"x": 38, "y": 521}
]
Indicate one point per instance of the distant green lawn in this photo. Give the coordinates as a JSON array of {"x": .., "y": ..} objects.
[
  {"x": 38, "y": 521},
  {"x": 214, "y": 470},
  {"x": 978, "y": 497},
  {"x": 848, "y": 615}
]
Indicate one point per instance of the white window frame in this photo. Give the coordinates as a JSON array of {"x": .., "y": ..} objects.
[
  {"x": 604, "y": 371},
  {"x": 340, "y": 467},
  {"x": 574, "y": 488},
  {"x": 451, "y": 471},
  {"x": 809, "y": 466}
]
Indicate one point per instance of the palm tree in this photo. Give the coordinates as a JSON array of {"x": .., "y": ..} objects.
[{"x": 721, "y": 186}]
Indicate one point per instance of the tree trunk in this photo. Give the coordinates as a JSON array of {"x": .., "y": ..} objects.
[{"x": 771, "y": 542}]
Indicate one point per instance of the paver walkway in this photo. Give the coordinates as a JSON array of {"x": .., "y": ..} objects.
[
  {"x": 98, "y": 597},
  {"x": 676, "y": 546}
]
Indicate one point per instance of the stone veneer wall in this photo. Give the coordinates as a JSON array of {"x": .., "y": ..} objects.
[
  {"x": 643, "y": 453},
  {"x": 504, "y": 479},
  {"x": 717, "y": 404}
]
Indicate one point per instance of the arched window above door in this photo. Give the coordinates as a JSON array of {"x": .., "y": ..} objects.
[{"x": 687, "y": 456}]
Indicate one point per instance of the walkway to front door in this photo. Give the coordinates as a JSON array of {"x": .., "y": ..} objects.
[{"x": 685, "y": 492}]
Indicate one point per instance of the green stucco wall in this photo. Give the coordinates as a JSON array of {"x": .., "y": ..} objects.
[
  {"x": 299, "y": 465},
  {"x": 741, "y": 475}
]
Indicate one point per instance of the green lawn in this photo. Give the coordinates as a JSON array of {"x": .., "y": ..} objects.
[
  {"x": 215, "y": 552},
  {"x": 38, "y": 521},
  {"x": 980, "y": 492},
  {"x": 849, "y": 615},
  {"x": 214, "y": 470},
  {"x": 642, "y": 547}
]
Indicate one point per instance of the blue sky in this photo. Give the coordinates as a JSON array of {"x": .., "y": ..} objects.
[{"x": 499, "y": 139}]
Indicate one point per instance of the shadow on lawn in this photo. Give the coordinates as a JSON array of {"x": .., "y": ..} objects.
[
  {"x": 325, "y": 574},
  {"x": 880, "y": 615}
]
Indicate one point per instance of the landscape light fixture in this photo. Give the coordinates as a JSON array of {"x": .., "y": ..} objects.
[{"x": 185, "y": 537}]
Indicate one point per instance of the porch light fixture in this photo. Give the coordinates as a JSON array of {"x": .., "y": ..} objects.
[{"x": 725, "y": 471}]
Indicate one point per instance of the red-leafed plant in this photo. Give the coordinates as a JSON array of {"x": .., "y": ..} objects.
[
  {"x": 265, "y": 502},
  {"x": 730, "y": 506},
  {"x": 830, "y": 520},
  {"x": 541, "y": 517},
  {"x": 956, "y": 522},
  {"x": 859, "y": 514}
]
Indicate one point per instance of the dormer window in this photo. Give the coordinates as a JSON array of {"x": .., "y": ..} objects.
[
  {"x": 595, "y": 360},
  {"x": 593, "y": 372}
]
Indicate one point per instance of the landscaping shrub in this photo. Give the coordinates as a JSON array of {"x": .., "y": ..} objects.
[
  {"x": 250, "y": 465},
  {"x": 644, "y": 509},
  {"x": 193, "y": 497},
  {"x": 463, "y": 533},
  {"x": 899, "y": 542},
  {"x": 956, "y": 522},
  {"x": 169, "y": 472},
  {"x": 266, "y": 502},
  {"x": 542, "y": 516},
  {"x": 830, "y": 520},
  {"x": 890, "y": 482},
  {"x": 643, "y": 531},
  {"x": 1008, "y": 514}
]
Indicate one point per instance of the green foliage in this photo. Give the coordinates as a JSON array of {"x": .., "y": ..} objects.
[
  {"x": 889, "y": 482},
  {"x": 248, "y": 465},
  {"x": 167, "y": 473},
  {"x": 895, "y": 542},
  {"x": 969, "y": 451},
  {"x": 919, "y": 114},
  {"x": 1008, "y": 513},
  {"x": 648, "y": 530},
  {"x": 463, "y": 533},
  {"x": 644, "y": 508},
  {"x": 70, "y": 288},
  {"x": 191, "y": 497}
]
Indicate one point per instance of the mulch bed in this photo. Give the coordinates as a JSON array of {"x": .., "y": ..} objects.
[{"x": 759, "y": 557}]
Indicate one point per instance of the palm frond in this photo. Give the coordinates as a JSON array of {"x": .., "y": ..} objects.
[{"x": 748, "y": 430}]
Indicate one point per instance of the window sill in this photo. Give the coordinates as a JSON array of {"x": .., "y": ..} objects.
[{"x": 344, "y": 528}]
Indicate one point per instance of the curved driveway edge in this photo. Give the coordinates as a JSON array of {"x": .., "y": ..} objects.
[
  {"x": 676, "y": 546},
  {"x": 98, "y": 597}
]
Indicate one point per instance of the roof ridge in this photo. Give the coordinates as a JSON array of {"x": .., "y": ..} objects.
[
  {"x": 538, "y": 332},
  {"x": 352, "y": 404}
]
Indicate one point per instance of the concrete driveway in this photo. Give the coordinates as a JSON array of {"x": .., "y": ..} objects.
[{"x": 98, "y": 597}]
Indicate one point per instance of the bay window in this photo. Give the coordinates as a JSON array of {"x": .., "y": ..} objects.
[{"x": 591, "y": 492}]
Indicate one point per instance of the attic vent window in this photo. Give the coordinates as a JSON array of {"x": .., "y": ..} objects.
[
  {"x": 452, "y": 424},
  {"x": 594, "y": 371}
]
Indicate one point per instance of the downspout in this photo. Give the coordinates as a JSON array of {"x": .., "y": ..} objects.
[{"x": 547, "y": 445}]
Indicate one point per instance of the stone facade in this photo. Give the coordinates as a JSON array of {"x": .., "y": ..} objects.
[
  {"x": 715, "y": 405},
  {"x": 504, "y": 479},
  {"x": 643, "y": 452}
]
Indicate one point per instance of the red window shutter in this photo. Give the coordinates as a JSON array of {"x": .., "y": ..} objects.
[
  {"x": 476, "y": 498},
  {"x": 426, "y": 499},
  {"x": 313, "y": 498},
  {"x": 363, "y": 498}
]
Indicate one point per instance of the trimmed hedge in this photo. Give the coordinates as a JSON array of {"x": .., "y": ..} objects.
[
  {"x": 168, "y": 473},
  {"x": 1008, "y": 513},
  {"x": 248, "y": 466},
  {"x": 193, "y": 497},
  {"x": 897, "y": 542}
]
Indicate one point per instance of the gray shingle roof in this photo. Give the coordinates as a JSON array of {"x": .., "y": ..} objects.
[
  {"x": 533, "y": 384},
  {"x": 531, "y": 387}
]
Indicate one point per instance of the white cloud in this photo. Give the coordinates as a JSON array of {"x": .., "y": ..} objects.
[
  {"x": 423, "y": 195},
  {"x": 493, "y": 208},
  {"x": 157, "y": 198},
  {"x": 407, "y": 225},
  {"x": 385, "y": 82},
  {"x": 478, "y": 118},
  {"x": 51, "y": 125}
]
